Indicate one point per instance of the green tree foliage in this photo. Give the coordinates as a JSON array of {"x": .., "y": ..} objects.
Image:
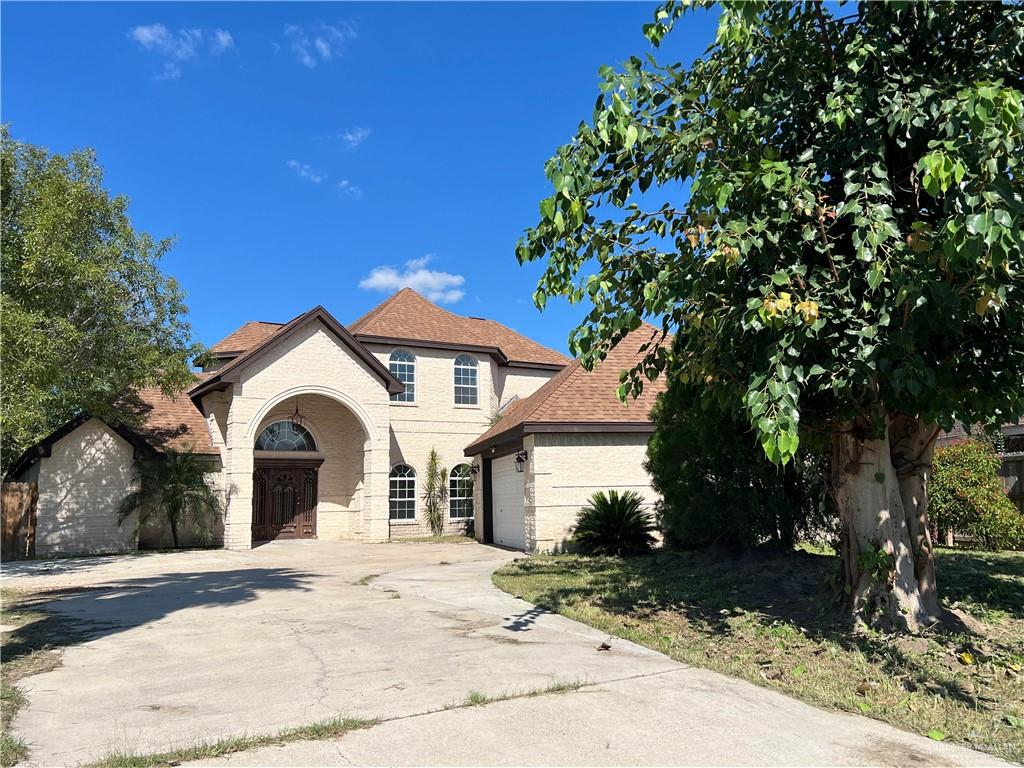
[
  {"x": 967, "y": 496},
  {"x": 716, "y": 485},
  {"x": 86, "y": 314},
  {"x": 614, "y": 524},
  {"x": 435, "y": 492},
  {"x": 849, "y": 258},
  {"x": 173, "y": 487}
]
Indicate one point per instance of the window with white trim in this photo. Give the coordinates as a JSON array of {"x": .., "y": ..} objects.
[
  {"x": 402, "y": 493},
  {"x": 403, "y": 367},
  {"x": 460, "y": 492},
  {"x": 285, "y": 436},
  {"x": 466, "y": 381}
]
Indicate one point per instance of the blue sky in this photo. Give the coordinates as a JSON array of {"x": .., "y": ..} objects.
[{"x": 300, "y": 151}]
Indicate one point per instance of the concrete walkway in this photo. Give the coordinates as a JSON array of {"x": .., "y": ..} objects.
[{"x": 199, "y": 646}]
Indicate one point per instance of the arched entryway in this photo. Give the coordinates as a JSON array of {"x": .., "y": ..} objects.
[
  {"x": 284, "y": 488},
  {"x": 308, "y": 470}
]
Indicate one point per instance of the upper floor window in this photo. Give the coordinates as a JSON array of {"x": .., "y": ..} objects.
[
  {"x": 403, "y": 367},
  {"x": 285, "y": 436},
  {"x": 460, "y": 492},
  {"x": 466, "y": 381},
  {"x": 402, "y": 493}
]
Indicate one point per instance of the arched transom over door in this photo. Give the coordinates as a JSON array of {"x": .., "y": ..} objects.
[{"x": 284, "y": 489}]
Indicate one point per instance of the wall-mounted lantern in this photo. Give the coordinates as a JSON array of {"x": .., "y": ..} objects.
[
  {"x": 521, "y": 457},
  {"x": 475, "y": 468}
]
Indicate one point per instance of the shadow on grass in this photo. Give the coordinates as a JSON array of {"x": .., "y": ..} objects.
[
  {"x": 784, "y": 594},
  {"x": 988, "y": 580}
]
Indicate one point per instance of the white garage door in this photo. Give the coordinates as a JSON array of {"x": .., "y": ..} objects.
[{"x": 508, "y": 519}]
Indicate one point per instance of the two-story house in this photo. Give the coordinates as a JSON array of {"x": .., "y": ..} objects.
[{"x": 318, "y": 430}]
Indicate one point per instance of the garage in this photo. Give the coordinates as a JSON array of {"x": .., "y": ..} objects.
[
  {"x": 509, "y": 513},
  {"x": 550, "y": 452}
]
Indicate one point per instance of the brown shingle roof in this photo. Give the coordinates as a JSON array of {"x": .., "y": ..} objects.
[
  {"x": 407, "y": 316},
  {"x": 579, "y": 398},
  {"x": 169, "y": 421},
  {"x": 246, "y": 337}
]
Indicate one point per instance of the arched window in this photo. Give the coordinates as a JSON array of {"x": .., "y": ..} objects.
[
  {"x": 402, "y": 496},
  {"x": 465, "y": 381},
  {"x": 285, "y": 436},
  {"x": 403, "y": 367},
  {"x": 460, "y": 492}
]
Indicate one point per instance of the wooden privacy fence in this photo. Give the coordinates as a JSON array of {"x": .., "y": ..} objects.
[{"x": 18, "y": 501}]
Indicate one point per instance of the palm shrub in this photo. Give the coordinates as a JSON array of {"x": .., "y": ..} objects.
[
  {"x": 435, "y": 492},
  {"x": 967, "y": 496},
  {"x": 614, "y": 524},
  {"x": 174, "y": 487}
]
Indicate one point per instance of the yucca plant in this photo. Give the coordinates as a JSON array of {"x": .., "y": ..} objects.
[
  {"x": 614, "y": 524},
  {"x": 173, "y": 486},
  {"x": 435, "y": 492}
]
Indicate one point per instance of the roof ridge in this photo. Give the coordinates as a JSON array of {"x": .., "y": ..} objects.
[{"x": 373, "y": 311}]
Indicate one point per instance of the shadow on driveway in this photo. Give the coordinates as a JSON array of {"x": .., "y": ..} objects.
[{"x": 106, "y": 609}]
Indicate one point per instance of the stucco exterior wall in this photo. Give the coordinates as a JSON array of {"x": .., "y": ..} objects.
[
  {"x": 312, "y": 361},
  {"x": 81, "y": 486},
  {"x": 564, "y": 470}
]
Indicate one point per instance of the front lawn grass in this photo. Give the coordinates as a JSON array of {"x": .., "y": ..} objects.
[{"x": 770, "y": 617}]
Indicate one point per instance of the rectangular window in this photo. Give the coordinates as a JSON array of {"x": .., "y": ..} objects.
[
  {"x": 403, "y": 367},
  {"x": 460, "y": 493},
  {"x": 466, "y": 381},
  {"x": 402, "y": 501}
]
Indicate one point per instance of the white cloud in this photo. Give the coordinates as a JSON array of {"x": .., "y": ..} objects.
[
  {"x": 306, "y": 171},
  {"x": 222, "y": 41},
  {"x": 318, "y": 43},
  {"x": 442, "y": 287},
  {"x": 353, "y": 137},
  {"x": 171, "y": 71},
  {"x": 175, "y": 48},
  {"x": 350, "y": 189}
]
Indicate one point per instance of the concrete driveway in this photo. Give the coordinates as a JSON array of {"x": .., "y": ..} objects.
[{"x": 199, "y": 646}]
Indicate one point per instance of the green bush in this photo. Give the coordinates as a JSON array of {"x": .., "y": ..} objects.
[
  {"x": 967, "y": 496},
  {"x": 716, "y": 485},
  {"x": 614, "y": 524}
]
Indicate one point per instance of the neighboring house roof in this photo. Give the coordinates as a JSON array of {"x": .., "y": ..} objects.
[
  {"x": 229, "y": 372},
  {"x": 159, "y": 422},
  {"x": 408, "y": 318},
  {"x": 578, "y": 400},
  {"x": 245, "y": 338}
]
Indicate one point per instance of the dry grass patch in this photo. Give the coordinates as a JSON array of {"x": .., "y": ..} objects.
[
  {"x": 32, "y": 643},
  {"x": 770, "y": 618},
  {"x": 324, "y": 729}
]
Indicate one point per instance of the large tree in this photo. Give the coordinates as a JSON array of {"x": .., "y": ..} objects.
[
  {"x": 826, "y": 209},
  {"x": 86, "y": 314}
]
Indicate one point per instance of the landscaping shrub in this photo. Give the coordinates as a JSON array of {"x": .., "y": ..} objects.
[
  {"x": 717, "y": 487},
  {"x": 967, "y": 496},
  {"x": 614, "y": 524},
  {"x": 174, "y": 488}
]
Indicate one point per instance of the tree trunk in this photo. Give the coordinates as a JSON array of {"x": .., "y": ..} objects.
[
  {"x": 879, "y": 483},
  {"x": 174, "y": 530}
]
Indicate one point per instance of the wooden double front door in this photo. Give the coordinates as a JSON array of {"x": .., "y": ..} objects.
[{"x": 284, "y": 494}]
